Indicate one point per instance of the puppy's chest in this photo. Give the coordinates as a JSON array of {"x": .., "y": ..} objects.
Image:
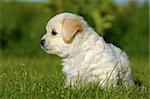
[
  {"x": 80, "y": 65},
  {"x": 73, "y": 66}
]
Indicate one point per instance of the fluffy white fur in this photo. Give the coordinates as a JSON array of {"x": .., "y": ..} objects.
[{"x": 88, "y": 57}]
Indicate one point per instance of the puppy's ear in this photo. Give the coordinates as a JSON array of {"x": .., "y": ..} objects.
[{"x": 70, "y": 27}]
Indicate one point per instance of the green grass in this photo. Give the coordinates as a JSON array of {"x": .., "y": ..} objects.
[{"x": 41, "y": 77}]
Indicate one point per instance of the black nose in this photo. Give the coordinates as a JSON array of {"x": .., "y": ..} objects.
[{"x": 42, "y": 42}]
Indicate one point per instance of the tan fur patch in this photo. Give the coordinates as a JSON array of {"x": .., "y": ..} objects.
[{"x": 71, "y": 26}]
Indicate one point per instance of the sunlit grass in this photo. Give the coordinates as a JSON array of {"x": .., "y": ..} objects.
[{"x": 43, "y": 78}]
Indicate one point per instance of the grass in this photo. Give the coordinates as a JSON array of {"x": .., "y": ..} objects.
[{"x": 41, "y": 77}]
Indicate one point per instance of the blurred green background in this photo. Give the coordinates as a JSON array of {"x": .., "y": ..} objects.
[{"x": 121, "y": 22}]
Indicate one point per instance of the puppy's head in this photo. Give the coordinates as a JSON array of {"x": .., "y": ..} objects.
[{"x": 61, "y": 31}]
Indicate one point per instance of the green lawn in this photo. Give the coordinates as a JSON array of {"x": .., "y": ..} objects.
[{"x": 41, "y": 77}]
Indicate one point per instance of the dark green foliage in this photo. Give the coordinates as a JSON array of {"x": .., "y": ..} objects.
[
  {"x": 23, "y": 28},
  {"x": 130, "y": 31},
  {"x": 22, "y": 24}
]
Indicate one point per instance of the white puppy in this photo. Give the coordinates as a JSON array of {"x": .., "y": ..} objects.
[{"x": 85, "y": 55}]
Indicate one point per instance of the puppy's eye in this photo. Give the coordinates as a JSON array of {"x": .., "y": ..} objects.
[{"x": 54, "y": 32}]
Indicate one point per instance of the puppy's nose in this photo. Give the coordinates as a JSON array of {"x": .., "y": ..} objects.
[{"x": 42, "y": 42}]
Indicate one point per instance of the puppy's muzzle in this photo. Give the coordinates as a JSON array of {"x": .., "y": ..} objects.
[{"x": 42, "y": 42}]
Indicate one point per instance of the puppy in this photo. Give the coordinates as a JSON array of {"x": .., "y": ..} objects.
[{"x": 86, "y": 57}]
